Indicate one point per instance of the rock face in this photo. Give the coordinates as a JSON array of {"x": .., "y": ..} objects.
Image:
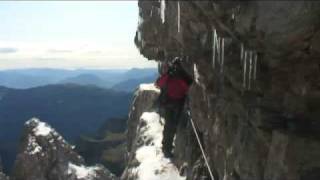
[
  {"x": 45, "y": 155},
  {"x": 256, "y": 96}
]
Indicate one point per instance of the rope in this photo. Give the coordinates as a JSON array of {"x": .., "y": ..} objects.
[{"x": 200, "y": 145}]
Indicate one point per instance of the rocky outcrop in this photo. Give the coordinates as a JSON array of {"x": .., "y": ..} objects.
[
  {"x": 45, "y": 155},
  {"x": 256, "y": 96},
  {"x": 2, "y": 175}
]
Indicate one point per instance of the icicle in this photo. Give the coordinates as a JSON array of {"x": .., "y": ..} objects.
[
  {"x": 163, "y": 10},
  {"x": 250, "y": 69},
  {"x": 241, "y": 54},
  {"x": 219, "y": 49},
  {"x": 222, "y": 55},
  {"x": 255, "y": 61},
  {"x": 139, "y": 36},
  {"x": 151, "y": 12},
  {"x": 196, "y": 73},
  {"x": 178, "y": 16},
  {"x": 244, "y": 69},
  {"x": 214, "y": 44}
]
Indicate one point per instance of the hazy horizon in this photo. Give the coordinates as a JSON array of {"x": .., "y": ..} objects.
[{"x": 69, "y": 35}]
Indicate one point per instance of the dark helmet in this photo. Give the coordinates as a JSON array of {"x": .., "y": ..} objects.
[{"x": 175, "y": 66}]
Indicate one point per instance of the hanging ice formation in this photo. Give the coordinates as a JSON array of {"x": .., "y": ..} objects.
[
  {"x": 151, "y": 12},
  {"x": 249, "y": 60},
  {"x": 214, "y": 44},
  {"x": 241, "y": 54},
  {"x": 222, "y": 55},
  {"x": 244, "y": 69},
  {"x": 196, "y": 73},
  {"x": 178, "y": 16},
  {"x": 162, "y": 10},
  {"x": 255, "y": 66},
  {"x": 250, "y": 69},
  {"x": 217, "y": 50}
]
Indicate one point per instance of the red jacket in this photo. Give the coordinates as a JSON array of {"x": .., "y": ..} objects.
[{"x": 177, "y": 88}]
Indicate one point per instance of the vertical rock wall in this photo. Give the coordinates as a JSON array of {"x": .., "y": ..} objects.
[{"x": 257, "y": 102}]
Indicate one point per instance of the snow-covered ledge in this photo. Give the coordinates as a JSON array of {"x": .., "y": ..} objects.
[
  {"x": 152, "y": 165},
  {"x": 148, "y": 87}
]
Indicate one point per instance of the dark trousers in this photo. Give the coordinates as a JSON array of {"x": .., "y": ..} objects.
[{"x": 171, "y": 114}]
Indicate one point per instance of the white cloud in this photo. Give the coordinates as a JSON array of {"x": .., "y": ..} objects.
[{"x": 76, "y": 54}]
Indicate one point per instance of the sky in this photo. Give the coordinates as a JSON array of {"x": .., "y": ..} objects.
[{"x": 69, "y": 35}]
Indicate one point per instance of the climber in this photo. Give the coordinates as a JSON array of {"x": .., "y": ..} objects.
[{"x": 174, "y": 83}]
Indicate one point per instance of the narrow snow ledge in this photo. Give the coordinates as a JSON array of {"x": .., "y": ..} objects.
[
  {"x": 148, "y": 87},
  {"x": 153, "y": 165}
]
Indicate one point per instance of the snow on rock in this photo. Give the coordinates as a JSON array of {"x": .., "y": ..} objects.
[
  {"x": 39, "y": 128},
  {"x": 45, "y": 155},
  {"x": 33, "y": 147},
  {"x": 42, "y": 129},
  {"x": 152, "y": 163},
  {"x": 82, "y": 172},
  {"x": 148, "y": 87}
]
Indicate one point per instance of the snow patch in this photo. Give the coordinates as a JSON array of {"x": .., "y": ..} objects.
[
  {"x": 42, "y": 129},
  {"x": 152, "y": 163},
  {"x": 148, "y": 87},
  {"x": 82, "y": 172}
]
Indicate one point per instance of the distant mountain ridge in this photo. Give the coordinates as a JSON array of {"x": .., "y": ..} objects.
[{"x": 28, "y": 78}]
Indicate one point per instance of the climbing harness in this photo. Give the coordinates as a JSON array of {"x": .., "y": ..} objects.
[{"x": 199, "y": 142}]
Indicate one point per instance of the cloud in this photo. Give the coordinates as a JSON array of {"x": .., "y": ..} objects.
[
  {"x": 95, "y": 52},
  {"x": 59, "y": 51},
  {"x": 8, "y": 50}
]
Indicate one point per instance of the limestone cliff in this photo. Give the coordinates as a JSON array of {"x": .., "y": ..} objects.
[{"x": 256, "y": 96}]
